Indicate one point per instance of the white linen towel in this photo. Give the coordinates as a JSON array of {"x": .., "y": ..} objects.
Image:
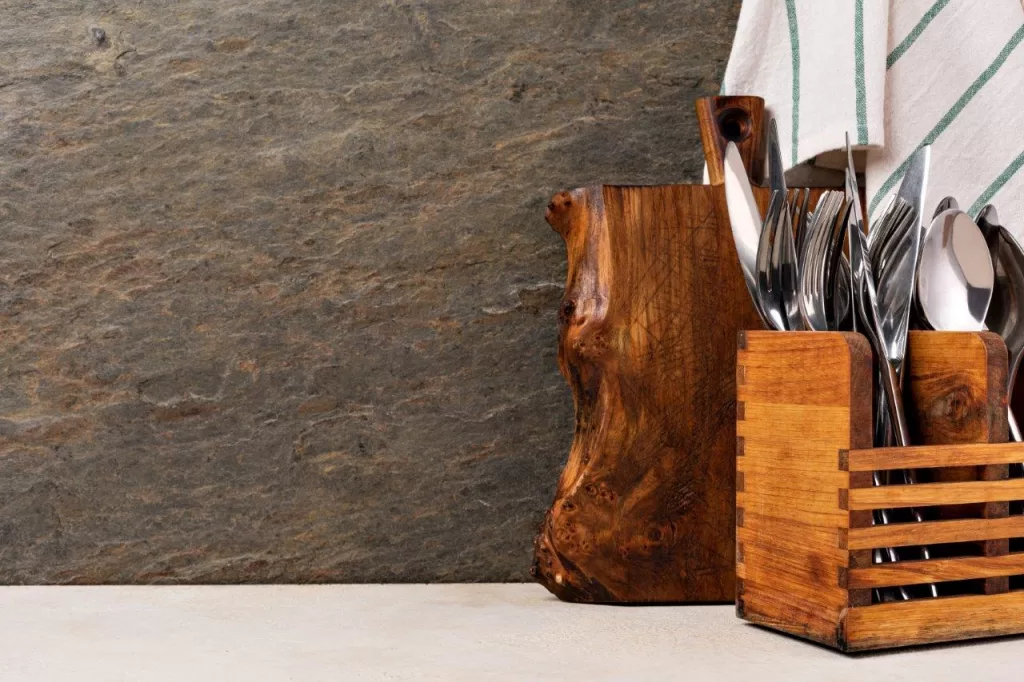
[{"x": 896, "y": 76}]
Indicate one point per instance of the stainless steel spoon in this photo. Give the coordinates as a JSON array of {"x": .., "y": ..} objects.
[
  {"x": 1005, "y": 313},
  {"x": 955, "y": 277},
  {"x": 944, "y": 205},
  {"x": 987, "y": 221}
]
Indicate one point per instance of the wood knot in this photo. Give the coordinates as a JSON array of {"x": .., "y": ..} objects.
[
  {"x": 957, "y": 404},
  {"x": 656, "y": 538},
  {"x": 558, "y": 211},
  {"x": 560, "y": 202},
  {"x": 590, "y": 346},
  {"x": 600, "y": 491},
  {"x": 566, "y": 310},
  {"x": 566, "y": 533}
]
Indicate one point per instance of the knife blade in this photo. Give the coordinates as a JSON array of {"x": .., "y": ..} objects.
[
  {"x": 895, "y": 295},
  {"x": 745, "y": 219},
  {"x": 776, "y": 174}
]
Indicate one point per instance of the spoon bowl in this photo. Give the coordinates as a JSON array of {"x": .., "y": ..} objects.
[
  {"x": 955, "y": 277},
  {"x": 1005, "y": 313}
]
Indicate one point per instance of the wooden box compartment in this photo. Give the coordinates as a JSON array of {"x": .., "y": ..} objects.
[{"x": 805, "y": 495}]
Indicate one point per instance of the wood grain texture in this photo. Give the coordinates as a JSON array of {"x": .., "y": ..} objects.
[
  {"x": 643, "y": 511},
  {"x": 957, "y": 394},
  {"x": 736, "y": 119},
  {"x": 927, "y": 621},
  {"x": 934, "y": 494},
  {"x": 654, "y": 298},
  {"x": 936, "y": 570},
  {"x": 953, "y": 389},
  {"x": 795, "y": 424},
  {"x": 805, "y": 535},
  {"x": 922, "y": 457},
  {"x": 935, "y": 532}
]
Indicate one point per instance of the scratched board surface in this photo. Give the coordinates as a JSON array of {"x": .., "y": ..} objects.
[
  {"x": 277, "y": 299},
  {"x": 644, "y": 509}
]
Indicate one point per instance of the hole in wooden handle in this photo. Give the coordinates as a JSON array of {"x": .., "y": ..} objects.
[{"x": 735, "y": 125}]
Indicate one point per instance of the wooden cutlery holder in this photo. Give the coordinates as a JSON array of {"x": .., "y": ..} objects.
[{"x": 805, "y": 495}]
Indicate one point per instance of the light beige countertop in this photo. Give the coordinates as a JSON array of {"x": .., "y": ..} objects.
[{"x": 425, "y": 632}]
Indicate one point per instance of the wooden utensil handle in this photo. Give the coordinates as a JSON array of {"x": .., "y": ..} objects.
[{"x": 732, "y": 119}]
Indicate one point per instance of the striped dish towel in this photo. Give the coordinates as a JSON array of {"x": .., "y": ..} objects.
[{"x": 896, "y": 76}]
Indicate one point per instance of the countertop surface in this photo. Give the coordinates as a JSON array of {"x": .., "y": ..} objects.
[{"x": 425, "y": 632}]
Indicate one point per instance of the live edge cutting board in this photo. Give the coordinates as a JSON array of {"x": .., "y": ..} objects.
[{"x": 644, "y": 509}]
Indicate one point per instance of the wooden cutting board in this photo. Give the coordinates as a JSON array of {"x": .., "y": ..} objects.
[{"x": 644, "y": 510}]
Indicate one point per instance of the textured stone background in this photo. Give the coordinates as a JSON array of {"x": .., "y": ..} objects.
[{"x": 277, "y": 299}]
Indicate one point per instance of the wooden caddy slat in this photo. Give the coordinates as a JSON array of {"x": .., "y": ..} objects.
[
  {"x": 934, "y": 532},
  {"x": 805, "y": 491},
  {"x": 935, "y": 571},
  {"x": 924, "y": 457},
  {"x": 927, "y": 621},
  {"x": 934, "y": 494}
]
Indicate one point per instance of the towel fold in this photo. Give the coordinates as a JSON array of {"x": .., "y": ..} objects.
[{"x": 895, "y": 76}]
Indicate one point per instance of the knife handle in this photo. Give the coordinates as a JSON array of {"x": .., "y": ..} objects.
[{"x": 732, "y": 119}]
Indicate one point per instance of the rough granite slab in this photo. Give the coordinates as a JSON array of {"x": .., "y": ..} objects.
[{"x": 277, "y": 298}]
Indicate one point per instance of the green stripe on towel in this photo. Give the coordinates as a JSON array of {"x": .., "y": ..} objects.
[
  {"x": 858, "y": 57},
  {"x": 915, "y": 32},
  {"x": 951, "y": 115},
  {"x": 997, "y": 184},
  {"x": 794, "y": 46}
]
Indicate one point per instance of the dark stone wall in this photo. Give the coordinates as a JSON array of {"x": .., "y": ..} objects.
[{"x": 277, "y": 299}]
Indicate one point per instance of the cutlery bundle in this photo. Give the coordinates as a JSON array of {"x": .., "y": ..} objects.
[
  {"x": 866, "y": 445},
  {"x": 869, "y": 476}
]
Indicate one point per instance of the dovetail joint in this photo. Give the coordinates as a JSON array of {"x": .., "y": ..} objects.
[
  {"x": 844, "y": 499},
  {"x": 739, "y": 446},
  {"x": 844, "y": 538},
  {"x": 739, "y": 482},
  {"x": 844, "y": 460},
  {"x": 741, "y": 412}
]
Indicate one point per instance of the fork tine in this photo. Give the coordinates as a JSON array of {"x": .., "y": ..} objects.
[
  {"x": 872, "y": 231},
  {"x": 802, "y": 224},
  {"x": 897, "y": 244},
  {"x": 891, "y": 226},
  {"x": 813, "y": 297},
  {"x": 894, "y": 232},
  {"x": 839, "y": 230}
]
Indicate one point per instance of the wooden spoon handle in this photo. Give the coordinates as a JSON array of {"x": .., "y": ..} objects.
[{"x": 732, "y": 119}]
